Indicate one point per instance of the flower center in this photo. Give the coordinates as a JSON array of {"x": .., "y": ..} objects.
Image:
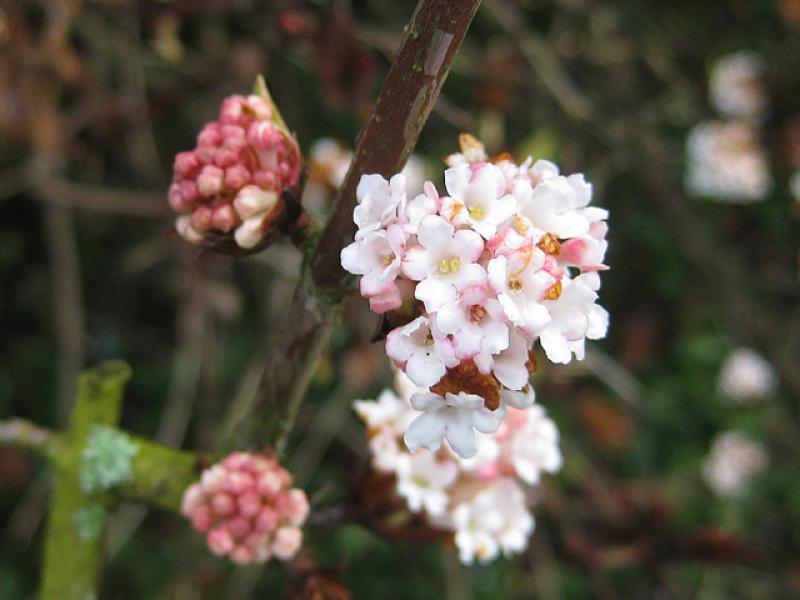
[
  {"x": 420, "y": 481},
  {"x": 476, "y": 313},
  {"x": 477, "y": 212},
  {"x": 449, "y": 265},
  {"x": 549, "y": 244},
  {"x": 514, "y": 284},
  {"x": 554, "y": 291},
  {"x": 387, "y": 259}
]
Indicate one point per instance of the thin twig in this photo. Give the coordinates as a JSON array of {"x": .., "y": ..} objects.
[{"x": 69, "y": 318}]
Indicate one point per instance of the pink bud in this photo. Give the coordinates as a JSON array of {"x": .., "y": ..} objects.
[
  {"x": 252, "y": 200},
  {"x": 265, "y": 179},
  {"x": 224, "y": 218},
  {"x": 176, "y": 201},
  {"x": 223, "y": 504},
  {"x": 202, "y": 218},
  {"x": 193, "y": 498},
  {"x": 210, "y": 180},
  {"x": 235, "y": 460},
  {"x": 242, "y": 555},
  {"x": 268, "y": 484},
  {"x": 236, "y": 177},
  {"x": 287, "y": 542},
  {"x": 238, "y": 481},
  {"x": 220, "y": 541},
  {"x": 266, "y": 520},
  {"x": 189, "y": 191},
  {"x": 231, "y": 110},
  {"x": 239, "y": 527},
  {"x": 210, "y": 136},
  {"x": 186, "y": 164},
  {"x": 258, "y": 108},
  {"x": 202, "y": 518},
  {"x": 249, "y": 503}
]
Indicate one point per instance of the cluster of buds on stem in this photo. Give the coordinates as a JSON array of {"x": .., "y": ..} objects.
[
  {"x": 231, "y": 190},
  {"x": 246, "y": 508},
  {"x": 510, "y": 257}
]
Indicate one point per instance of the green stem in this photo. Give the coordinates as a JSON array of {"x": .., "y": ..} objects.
[{"x": 72, "y": 559}]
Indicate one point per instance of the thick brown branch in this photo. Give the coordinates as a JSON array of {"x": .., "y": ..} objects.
[{"x": 406, "y": 99}]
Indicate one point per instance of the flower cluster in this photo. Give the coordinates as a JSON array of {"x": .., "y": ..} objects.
[
  {"x": 726, "y": 160},
  {"x": 246, "y": 508},
  {"x": 736, "y": 86},
  {"x": 733, "y": 461},
  {"x": 509, "y": 256},
  {"x": 230, "y": 185},
  {"x": 746, "y": 376},
  {"x": 481, "y": 499}
]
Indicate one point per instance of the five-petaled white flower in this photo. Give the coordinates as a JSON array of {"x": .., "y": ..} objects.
[
  {"x": 452, "y": 417},
  {"x": 477, "y": 198},
  {"x": 422, "y": 481},
  {"x": 422, "y": 348},
  {"x": 443, "y": 262}
]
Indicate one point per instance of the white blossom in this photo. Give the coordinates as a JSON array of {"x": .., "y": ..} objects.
[
  {"x": 454, "y": 417},
  {"x": 733, "y": 461},
  {"x": 747, "y": 376}
]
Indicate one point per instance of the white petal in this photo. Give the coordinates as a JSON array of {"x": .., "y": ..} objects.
[
  {"x": 426, "y": 431},
  {"x": 555, "y": 346},
  {"x": 434, "y": 292},
  {"x": 434, "y": 232},
  {"x": 424, "y": 368}
]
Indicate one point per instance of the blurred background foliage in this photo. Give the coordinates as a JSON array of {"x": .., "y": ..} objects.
[{"x": 96, "y": 96}]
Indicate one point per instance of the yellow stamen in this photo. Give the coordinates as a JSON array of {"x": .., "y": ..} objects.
[
  {"x": 549, "y": 244},
  {"x": 449, "y": 265},
  {"x": 514, "y": 284},
  {"x": 554, "y": 291},
  {"x": 387, "y": 260},
  {"x": 477, "y": 212}
]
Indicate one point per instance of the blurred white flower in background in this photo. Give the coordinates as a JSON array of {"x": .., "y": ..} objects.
[
  {"x": 727, "y": 162},
  {"x": 733, "y": 461},
  {"x": 736, "y": 86},
  {"x": 746, "y": 376}
]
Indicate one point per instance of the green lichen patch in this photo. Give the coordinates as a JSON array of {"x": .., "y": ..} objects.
[
  {"x": 106, "y": 459},
  {"x": 89, "y": 522}
]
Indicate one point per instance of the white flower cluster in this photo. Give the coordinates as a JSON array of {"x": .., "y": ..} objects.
[
  {"x": 725, "y": 158},
  {"x": 481, "y": 499},
  {"x": 733, "y": 461},
  {"x": 727, "y": 162},
  {"x": 736, "y": 87},
  {"x": 746, "y": 376},
  {"x": 509, "y": 256}
]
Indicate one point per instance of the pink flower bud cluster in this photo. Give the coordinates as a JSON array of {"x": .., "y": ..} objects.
[
  {"x": 231, "y": 183},
  {"x": 483, "y": 499},
  {"x": 247, "y": 510},
  {"x": 511, "y": 256}
]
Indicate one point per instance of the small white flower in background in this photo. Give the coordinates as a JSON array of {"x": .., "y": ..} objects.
[
  {"x": 726, "y": 162},
  {"x": 746, "y": 376},
  {"x": 736, "y": 86},
  {"x": 481, "y": 499},
  {"x": 495, "y": 520},
  {"x": 733, "y": 461},
  {"x": 328, "y": 163},
  {"x": 422, "y": 481},
  {"x": 509, "y": 257}
]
